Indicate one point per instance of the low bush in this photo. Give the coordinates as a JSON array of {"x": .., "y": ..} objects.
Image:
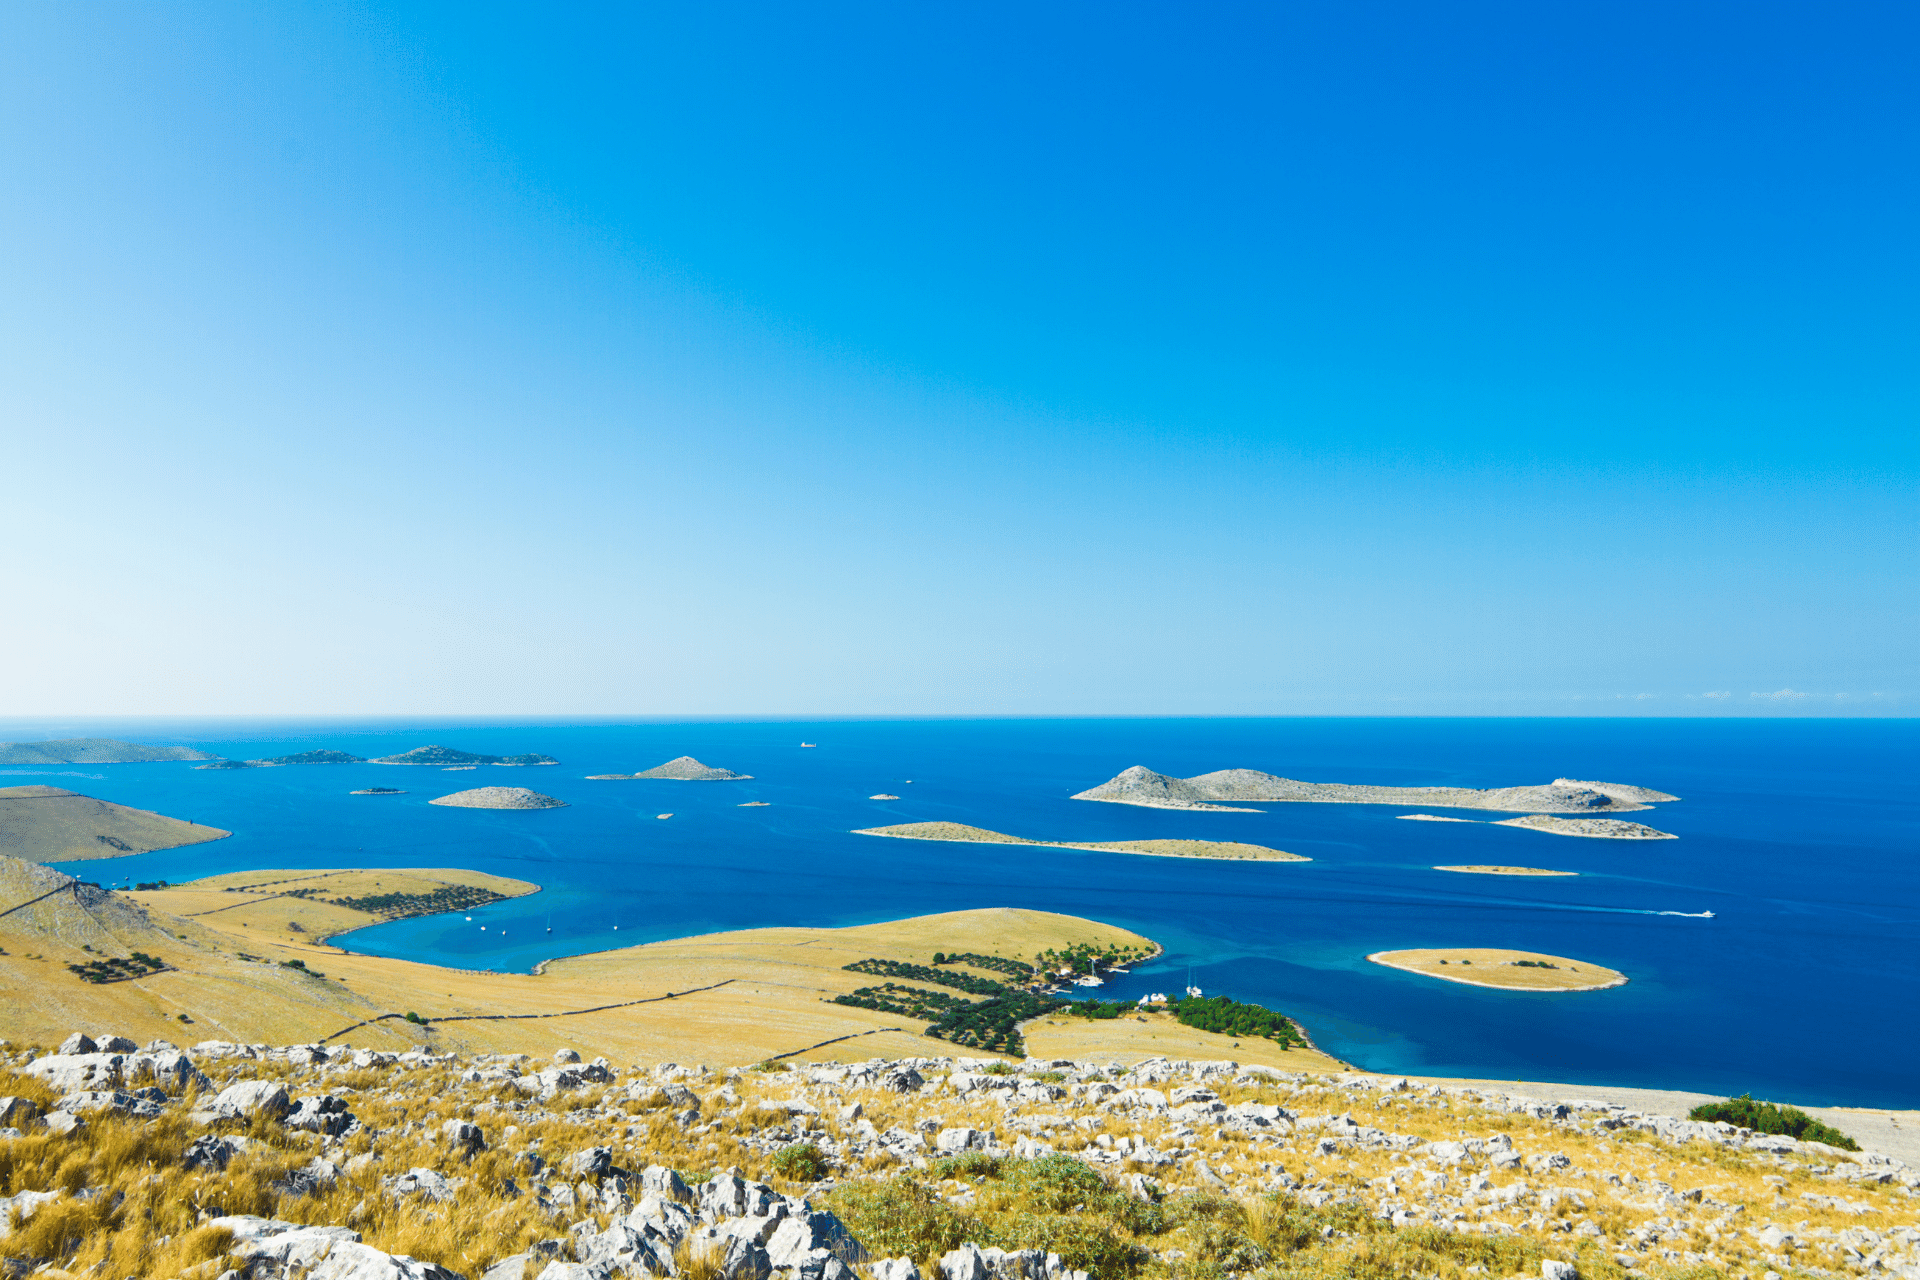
[{"x": 1765, "y": 1117}]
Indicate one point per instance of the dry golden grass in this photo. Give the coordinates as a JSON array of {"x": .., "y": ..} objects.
[
  {"x": 770, "y": 993},
  {"x": 1494, "y": 967},
  {"x": 1616, "y": 1183}
]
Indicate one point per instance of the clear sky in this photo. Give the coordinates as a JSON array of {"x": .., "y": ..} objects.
[{"x": 894, "y": 358}]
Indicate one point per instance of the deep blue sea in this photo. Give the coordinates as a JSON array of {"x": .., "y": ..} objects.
[{"x": 1799, "y": 835}]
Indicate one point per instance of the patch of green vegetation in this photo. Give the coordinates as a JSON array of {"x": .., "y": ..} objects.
[
  {"x": 300, "y": 966},
  {"x": 1526, "y": 964},
  {"x": 993, "y": 1024},
  {"x": 800, "y": 1162},
  {"x": 119, "y": 969},
  {"x": 1765, "y": 1117},
  {"x": 398, "y": 906},
  {"x": 926, "y": 973},
  {"x": 902, "y": 1001},
  {"x": 1230, "y": 1017},
  {"x": 1083, "y": 958},
  {"x": 1012, "y": 968}
]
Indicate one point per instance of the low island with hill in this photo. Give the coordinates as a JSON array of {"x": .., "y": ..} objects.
[
  {"x": 1507, "y": 970},
  {"x": 500, "y": 798},
  {"x": 678, "y": 769},
  {"x": 959, "y": 833},
  {"x": 52, "y": 824},
  {"x": 93, "y": 751},
  {"x": 303, "y": 757},
  {"x": 435, "y": 755},
  {"x": 1221, "y": 790}
]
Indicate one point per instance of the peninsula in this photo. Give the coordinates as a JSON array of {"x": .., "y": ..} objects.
[
  {"x": 1142, "y": 786},
  {"x": 1507, "y": 871},
  {"x": 92, "y": 751},
  {"x": 52, "y": 824},
  {"x": 500, "y": 798},
  {"x": 444, "y": 756},
  {"x": 955, "y": 832},
  {"x": 1508, "y": 970},
  {"x": 304, "y": 757},
  {"x": 678, "y": 769}
]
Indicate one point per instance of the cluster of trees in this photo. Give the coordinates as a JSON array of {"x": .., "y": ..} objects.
[
  {"x": 1531, "y": 964},
  {"x": 119, "y": 969},
  {"x": 1765, "y": 1117},
  {"x": 301, "y": 967},
  {"x": 902, "y": 1001},
  {"x": 1085, "y": 958},
  {"x": 926, "y": 973},
  {"x": 1012, "y": 968},
  {"x": 1229, "y": 1017},
  {"x": 452, "y": 897},
  {"x": 1101, "y": 1010},
  {"x": 146, "y": 886},
  {"x": 992, "y": 1024}
]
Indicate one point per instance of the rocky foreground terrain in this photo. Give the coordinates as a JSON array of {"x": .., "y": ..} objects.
[{"x": 235, "y": 1162}]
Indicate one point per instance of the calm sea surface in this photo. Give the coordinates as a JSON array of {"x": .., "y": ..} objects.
[{"x": 1800, "y": 837}]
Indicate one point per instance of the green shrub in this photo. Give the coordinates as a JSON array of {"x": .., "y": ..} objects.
[
  {"x": 801, "y": 1162},
  {"x": 901, "y": 1217},
  {"x": 1765, "y": 1117}
]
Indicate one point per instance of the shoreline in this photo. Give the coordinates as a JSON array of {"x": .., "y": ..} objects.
[
  {"x": 1621, "y": 981},
  {"x": 1087, "y": 847}
]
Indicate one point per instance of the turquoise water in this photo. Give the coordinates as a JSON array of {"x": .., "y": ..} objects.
[{"x": 1799, "y": 836}]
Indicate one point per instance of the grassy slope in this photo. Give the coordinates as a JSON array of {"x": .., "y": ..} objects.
[
  {"x": 50, "y": 824},
  {"x": 961, "y": 833},
  {"x": 776, "y": 1001}
]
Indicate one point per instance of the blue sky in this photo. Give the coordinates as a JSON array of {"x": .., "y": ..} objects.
[{"x": 1116, "y": 358}]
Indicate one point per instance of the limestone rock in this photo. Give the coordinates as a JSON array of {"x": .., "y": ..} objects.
[{"x": 253, "y": 1097}]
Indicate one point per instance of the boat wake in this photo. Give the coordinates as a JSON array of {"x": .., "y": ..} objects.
[{"x": 1691, "y": 915}]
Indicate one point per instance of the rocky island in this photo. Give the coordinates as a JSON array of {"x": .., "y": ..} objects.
[
  {"x": 678, "y": 769},
  {"x": 960, "y": 833},
  {"x": 92, "y": 751},
  {"x": 1142, "y": 786},
  {"x": 500, "y": 798},
  {"x": 1510, "y": 970},
  {"x": 1486, "y": 870},
  {"x": 444, "y": 756},
  {"x": 377, "y": 791},
  {"x": 304, "y": 757},
  {"x": 52, "y": 824}
]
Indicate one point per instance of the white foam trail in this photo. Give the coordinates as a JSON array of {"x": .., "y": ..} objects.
[{"x": 1691, "y": 915}]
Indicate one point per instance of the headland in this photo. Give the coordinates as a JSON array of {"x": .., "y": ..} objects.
[
  {"x": 93, "y": 751},
  {"x": 52, "y": 824},
  {"x": 961, "y": 834}
]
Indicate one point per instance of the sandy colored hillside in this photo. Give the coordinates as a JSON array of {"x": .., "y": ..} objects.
[
  {"x": 52, "y": 824},
  {"x": 736, "y": 997}
]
